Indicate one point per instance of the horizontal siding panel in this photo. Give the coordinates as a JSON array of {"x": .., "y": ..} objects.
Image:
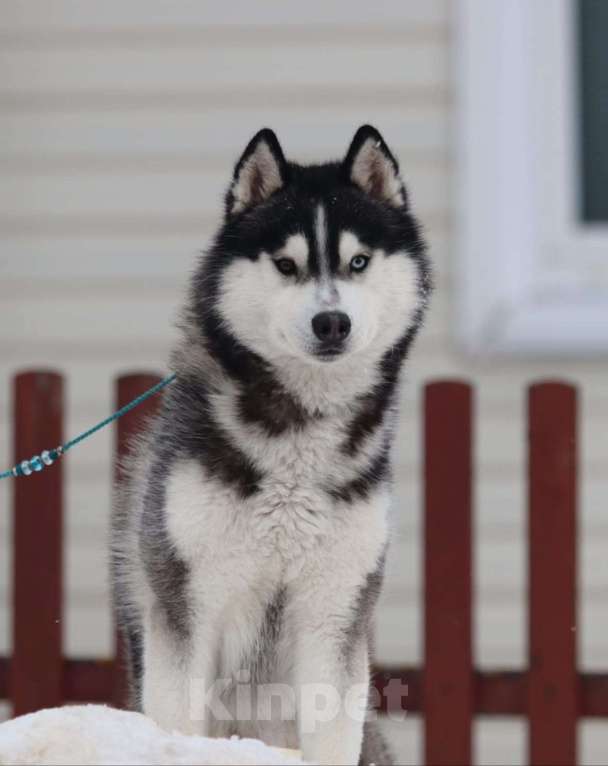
[
  {"x": 500, "y": 508},
  {"x": 389, "y": 97},
  {"x": 503, "y": 439},
  {"x": 592, "y": 631},
  {"x": 140, "y": 70},
  {"x": 79, "y": 227},
  {"x": 500, "y": 391},
  {"x": 170, "y": 194},
  {"x": 171, "y": 255},
  {"x": 88, "y": 509},
  {"x": 404, "y": 562},
  {"x": 66, "y": 14},
  {"x": 148, "y": 353},
  {"x": 499, "y": 441},
  {"x": 59, "y": 163},
  {"x": 120, "y": 195},
  {"x": 592, "y": 747},
  {"x": 88, "y": 631},
  {"x": 87, "y": 569},
  {"x": 92, "y": 320},
  {"x": 398, "y": 635},
  {"x": 500, "y": 636},
  {"x": 500, "y": 380},
  {"x": 132, "y": 225},
  {"x": 322, "y": 133},
  {"x": 6, "y": 568},
  {"x": 166, "y": 290},
  {"x": 340, "y": 34},
  {"x": 500, "y": 567},
  {"x": 498, "y": 595},
  {"x": 501, "y": 742}
]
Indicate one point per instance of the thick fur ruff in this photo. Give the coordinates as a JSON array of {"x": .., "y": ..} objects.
[{"x": 250, "y": 532}]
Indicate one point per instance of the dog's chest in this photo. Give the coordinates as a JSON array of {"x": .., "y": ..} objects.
[
  {"x": 293, "y": 505},
  {"x": 289, "y": 511}
]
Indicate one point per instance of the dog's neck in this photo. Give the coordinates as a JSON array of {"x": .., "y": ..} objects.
[
  {"x": 329, "y": 387},
  {"x": 286, "y": 384}
]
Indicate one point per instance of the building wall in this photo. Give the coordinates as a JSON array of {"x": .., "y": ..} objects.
[{"x": 119, "y": 125}]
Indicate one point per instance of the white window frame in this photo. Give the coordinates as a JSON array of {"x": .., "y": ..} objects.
[{"x": 531, "y": 278}]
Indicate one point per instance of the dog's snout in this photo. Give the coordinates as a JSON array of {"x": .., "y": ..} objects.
[{"x": 331, "y": 326}]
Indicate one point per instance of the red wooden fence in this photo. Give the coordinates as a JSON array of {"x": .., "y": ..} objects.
[
  {"x": 448, "y": 677},
  {"x": 448, "y": 691}
]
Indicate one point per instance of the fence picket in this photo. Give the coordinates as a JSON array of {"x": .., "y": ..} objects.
[
  {"x": 552, "y": 682},
  {"x": 448, "y": 673},
  {"x": 36, "y": 667}
]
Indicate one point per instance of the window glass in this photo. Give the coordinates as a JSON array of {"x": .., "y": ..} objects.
[{"x": 593, "y": 75}]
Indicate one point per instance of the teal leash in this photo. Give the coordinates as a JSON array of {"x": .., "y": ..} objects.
[{"x": 48, "y": 457}]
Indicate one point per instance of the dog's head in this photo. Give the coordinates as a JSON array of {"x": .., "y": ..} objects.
[{"x": 318, "y": 263}]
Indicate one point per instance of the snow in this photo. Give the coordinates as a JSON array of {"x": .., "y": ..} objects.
[{"x": 95, "y": 734}]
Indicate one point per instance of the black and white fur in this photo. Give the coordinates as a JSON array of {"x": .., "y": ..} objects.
[{"x": 250, "y": 534}]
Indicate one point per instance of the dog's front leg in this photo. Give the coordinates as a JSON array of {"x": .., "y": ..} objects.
[
  {"x": 177, "y": 674},
  {"x": 166, "y": 661},
  {"x": 332, "y": 692}
]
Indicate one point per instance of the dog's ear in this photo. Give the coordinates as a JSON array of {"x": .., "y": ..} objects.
[
  {"x": 258, "y": 174},
  {"x": 370, "y": 165}
]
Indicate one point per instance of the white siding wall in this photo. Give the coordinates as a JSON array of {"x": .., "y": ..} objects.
[{"x": 119, "y": 124}]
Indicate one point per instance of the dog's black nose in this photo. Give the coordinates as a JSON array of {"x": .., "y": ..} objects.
[{"x": 331, "y": 326}]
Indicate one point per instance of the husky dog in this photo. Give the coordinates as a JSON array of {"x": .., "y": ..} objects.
[{"x": 250, "y": 534}]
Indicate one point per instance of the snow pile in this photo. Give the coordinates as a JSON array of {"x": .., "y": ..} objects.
[{"x": 94, "y": 734}]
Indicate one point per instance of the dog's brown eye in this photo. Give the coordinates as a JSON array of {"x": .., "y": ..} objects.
[
  {"x": 359, "y": 263},
  {"x": 286, "y": 266}
]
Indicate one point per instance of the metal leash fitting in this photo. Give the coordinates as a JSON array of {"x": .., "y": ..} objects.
[{"x": 48, "y": 457}]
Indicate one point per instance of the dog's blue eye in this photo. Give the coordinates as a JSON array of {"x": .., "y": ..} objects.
[
  {"x": 286, "y": 266},
  {"x": 359, "y": 263}
]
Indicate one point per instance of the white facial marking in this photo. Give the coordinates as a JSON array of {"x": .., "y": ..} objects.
[
  {"x": 296, "y": 248},
  {"x": 349, "y": 246},
  {"x": 327, "y": 293}
]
